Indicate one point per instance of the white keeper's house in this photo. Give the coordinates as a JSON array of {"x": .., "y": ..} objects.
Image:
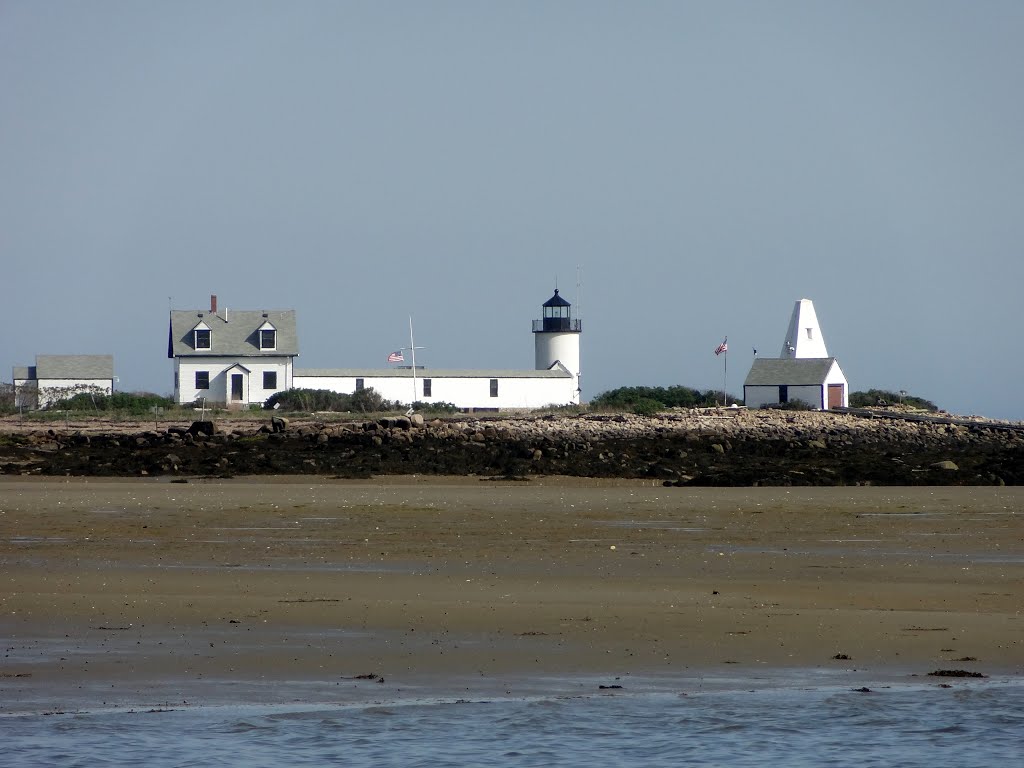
[
  {"x": 236, "y": 357},
  {"x": 242, "y": 357},
  {"x": 554, "y": 380},
  {"x": 802, "y": 371},
  {"x": 57, "y": 377}
]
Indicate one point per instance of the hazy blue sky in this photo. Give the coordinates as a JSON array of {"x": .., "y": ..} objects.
[{"x": 705, "y": 163}]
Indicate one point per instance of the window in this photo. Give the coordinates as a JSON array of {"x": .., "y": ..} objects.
[
  {"x": 203, "y": 379},
  {"x": 426, "y": 387},
  {"x": 268, "y": 339},
  {"x": 810, "y": 333},
  {"x": 359, "y": 384},
  {"x": 494, "y": 387},
  {"x": 270, "y": 379},
  {"x": 202, "y": 340}
]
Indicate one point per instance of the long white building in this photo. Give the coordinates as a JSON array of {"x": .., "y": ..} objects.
[{"x": 554, "y": 380}]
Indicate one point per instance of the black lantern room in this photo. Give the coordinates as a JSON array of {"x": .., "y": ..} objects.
[{"x": 556, "y": 316}]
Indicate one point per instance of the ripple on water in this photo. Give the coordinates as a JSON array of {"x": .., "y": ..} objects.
[{"x": 973, "y": 724}]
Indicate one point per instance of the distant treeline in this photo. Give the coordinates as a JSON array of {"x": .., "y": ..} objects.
[
  {"x": 640, "y": 400},
  {"x": 647, "y": 400}
]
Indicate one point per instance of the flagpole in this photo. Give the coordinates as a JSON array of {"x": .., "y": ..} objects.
[
  {"x": 725, "y": 375},
  {"x": 412, "y": 346}
]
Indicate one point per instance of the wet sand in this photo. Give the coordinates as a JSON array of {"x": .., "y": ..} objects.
[{"x": 132, "y": 591}]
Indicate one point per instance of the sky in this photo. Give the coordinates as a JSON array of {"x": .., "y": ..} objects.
[{"x": 682, "y": 171}]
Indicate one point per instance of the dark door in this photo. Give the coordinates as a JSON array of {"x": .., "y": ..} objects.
[
  {"x": 236, "y": 386},
  {"x": 783, "y": 393},
  {"x": 835, "y": 395}
]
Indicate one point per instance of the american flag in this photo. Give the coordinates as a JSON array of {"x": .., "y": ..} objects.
[
  {"x": 723, "y": 347},
  {"x": 396, "y": 357}
]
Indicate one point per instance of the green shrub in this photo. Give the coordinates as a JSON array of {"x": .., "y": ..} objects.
[
  {"x": 133, "y": 403},
  {"x": 876, "y": 397},
  {"x": 435, "y": 407},
  {"x": 316, "y": 400},
  {"x": 645, "y": 406},
  {"x": 795, "y": 405},
  {"x": 628, "y": 398}
]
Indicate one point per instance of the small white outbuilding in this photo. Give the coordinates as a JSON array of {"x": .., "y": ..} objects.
[
  {"x": 57, "y": 377},
  {"x": 802, "y": 371}
]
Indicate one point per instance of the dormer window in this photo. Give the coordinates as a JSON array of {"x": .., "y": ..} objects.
[
  {"x": 202, "y": 338},
  {"x": 268, "y": 336}
]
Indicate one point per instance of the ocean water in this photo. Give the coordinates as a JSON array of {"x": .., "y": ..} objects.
[{"x": 969, "y": 723}]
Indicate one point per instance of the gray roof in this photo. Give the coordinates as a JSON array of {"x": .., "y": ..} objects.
[
  {"x": 557, "y": 372},
  {"x": 74, "y": 367},
  {"x": 770, "y": 371},
  {"x": 234, "y": 333},
  {"x": 24, "y": 372}
]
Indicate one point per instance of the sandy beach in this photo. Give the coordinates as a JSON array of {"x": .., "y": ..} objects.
[{"x": 135, "y": 590}]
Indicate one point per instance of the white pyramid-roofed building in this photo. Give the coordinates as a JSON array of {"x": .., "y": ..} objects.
[
  {"x": 804, "y": 337},
  {"x": 803, "y": 371}
]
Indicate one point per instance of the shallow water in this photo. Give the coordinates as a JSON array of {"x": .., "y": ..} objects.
[{"x": 971, "y": 723}]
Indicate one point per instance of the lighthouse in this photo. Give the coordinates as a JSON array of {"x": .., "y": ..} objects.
[
  {"x": 803, "y": 339},
  {"x": 556, "y": 338}
]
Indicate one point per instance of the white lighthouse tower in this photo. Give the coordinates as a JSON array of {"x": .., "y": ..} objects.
[
  {"x": 556, "y": 338},
  {"x": 803, "y": 339}
]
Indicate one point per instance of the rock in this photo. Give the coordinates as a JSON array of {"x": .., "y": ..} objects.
[
  {"x": 417, "y": 420},
  {"x": 203, "y": 428},
  {"x": 279, "y": 424},
  {"x": 947, "y": 465}
]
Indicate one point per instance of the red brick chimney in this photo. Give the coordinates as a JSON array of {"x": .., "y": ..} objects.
[{"x": 213, "y": 303}]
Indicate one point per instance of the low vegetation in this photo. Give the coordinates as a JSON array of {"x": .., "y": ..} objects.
[
  {"x": 795, "y": 405},
  {"x": 322, "y": 400},
  {"x": 128, "y": 403},
  {"x": 880, "y": 397},
  {"x": 638, "y": 400},
  {"x": 439, "y": 408},
  {"x": 650, "y": 400}
]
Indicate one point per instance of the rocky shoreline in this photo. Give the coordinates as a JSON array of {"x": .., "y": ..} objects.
[{"x": 705, "y": 447}]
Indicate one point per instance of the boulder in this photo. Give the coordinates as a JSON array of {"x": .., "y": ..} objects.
[{"x": 203, "y": 428}]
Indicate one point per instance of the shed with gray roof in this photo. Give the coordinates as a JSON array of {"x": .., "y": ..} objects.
[
  {"x": 57, "y": 377},
  {"x": 817, "y": 381}
]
